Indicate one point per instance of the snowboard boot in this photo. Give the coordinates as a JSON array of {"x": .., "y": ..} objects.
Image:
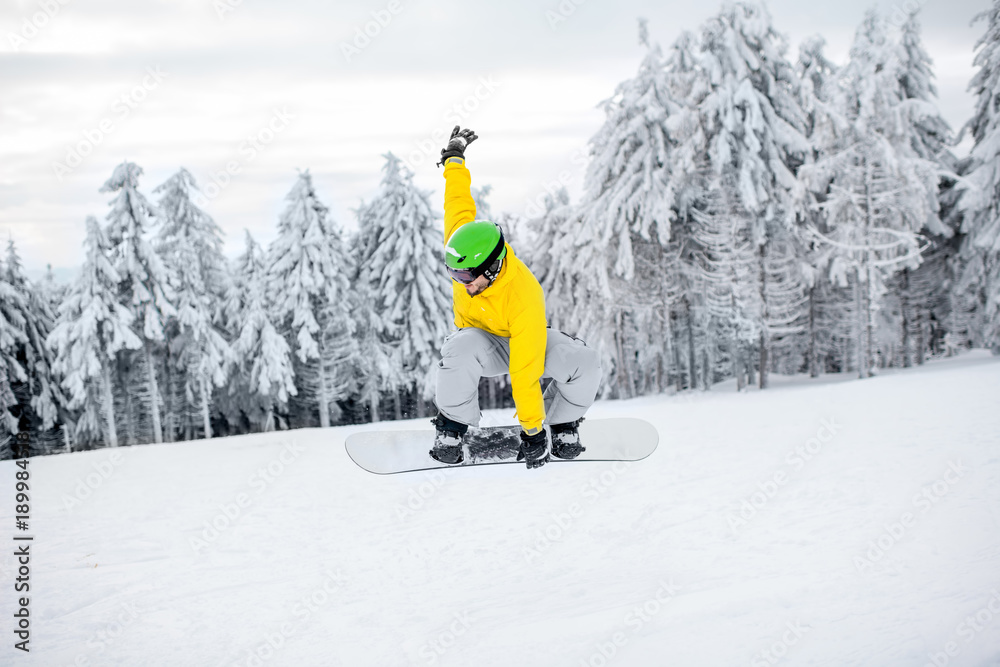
[
  {"x": 566, "y": 440},
  {"x": 448, "y": 440}
]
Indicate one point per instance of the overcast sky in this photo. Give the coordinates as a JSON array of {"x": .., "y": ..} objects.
[{"x": 266, "y": 88}]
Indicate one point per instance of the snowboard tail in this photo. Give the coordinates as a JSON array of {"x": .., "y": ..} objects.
[{"x": 388, "y": 452}]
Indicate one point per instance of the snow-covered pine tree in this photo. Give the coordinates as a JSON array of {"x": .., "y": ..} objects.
[
  {"x": 264, "y": 379},
  {"x": 550, "y": 231},
  {"x": 93, "y": 327},
  {"x": 52, "y": 290},
  {"x": 479, "y": 197},
  {"x": 375, "y": 364},
  {"x": 307, "y": 276},
  {"x": 825, "y": 124},
  {"x": 755, "y": 123},
  {"x": 626, "y": 212},
  {"x": 145, "y": 282},
  {"x": 929, "y": 134},
  {"x": 13, "y": 338},
  {"x": 922, "y": 292},
  {"x": 40, "y": 401},
  {"x": 403, "y": 278},
  {"x": 876, "y": 192},
  {"x": 725, "y": 276},
  {"x": 979, "y": 283},
  {"x": 198, "y": 356}
]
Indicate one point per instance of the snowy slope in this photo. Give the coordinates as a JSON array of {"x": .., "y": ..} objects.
[{"x": 837, "y": 522}]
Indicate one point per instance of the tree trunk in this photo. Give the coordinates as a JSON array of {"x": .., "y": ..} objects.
[
  {"x": 763, "y": 361},
  {"x": 921, "y": 343},
  {"x": 324, "y": 392},
  {"x": 206, "y": 417},
  {"x": 678, "y": 374},
  {"x": 154, "y": 394},
  {"x": 738, "y": 364},
  {"x": 812, "y": 351},
  {"x": 660, "y": 372},
  {"x": 625, "y": 384},
  {"x": 131, "y": 416},
  {"x": 904, "y": 307},
  {"x": 706, "y": 368},
  {"x": 861, "y": 325},
  {"x": 170, "y": 418},
  {"x": 109, "y": 406},
  {"x": 692, "y": 372},
  {"x": 764, "y": 337},
  {"x": 491, "y": 391},
  {"x": 867, "y": 359}
]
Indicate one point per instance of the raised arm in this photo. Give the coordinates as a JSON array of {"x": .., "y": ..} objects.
[{"x": 459, "y": 206}]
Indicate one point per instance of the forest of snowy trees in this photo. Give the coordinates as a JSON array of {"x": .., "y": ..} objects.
[{"x": 745, "y": 212}]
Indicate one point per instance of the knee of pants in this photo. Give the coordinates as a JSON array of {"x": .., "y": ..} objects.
[
  {"x": 591, "y": 363},
  {"x": 573, "y": 362},
  {"x": 465, "y": 346}
]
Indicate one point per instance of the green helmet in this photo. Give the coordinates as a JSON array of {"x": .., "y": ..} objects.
[{"x": 475, "y": 249}]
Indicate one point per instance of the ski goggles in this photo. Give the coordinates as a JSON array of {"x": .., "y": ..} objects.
[{"x": 466, "y": 276}]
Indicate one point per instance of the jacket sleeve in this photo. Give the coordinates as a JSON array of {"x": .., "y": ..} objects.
[
  {"x": 528, "y": 339},
  {"x": 459, "y": 206}
]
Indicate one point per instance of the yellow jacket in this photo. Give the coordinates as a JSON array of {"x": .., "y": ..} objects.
[{"x": 512, "y": 307}]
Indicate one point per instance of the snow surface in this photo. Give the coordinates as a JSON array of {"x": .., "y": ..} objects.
[{"x": 583, "y": 564}]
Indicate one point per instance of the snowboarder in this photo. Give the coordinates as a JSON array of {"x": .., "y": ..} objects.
[{"x": 500, "y": 314}]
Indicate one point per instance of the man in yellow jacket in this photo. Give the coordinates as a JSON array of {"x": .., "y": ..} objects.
[{"x": 500, "y": 314}]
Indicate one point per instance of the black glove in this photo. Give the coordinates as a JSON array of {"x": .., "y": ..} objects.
[
  {"x": 534, "y": 449},
  {"x": 456, "y": 144}
]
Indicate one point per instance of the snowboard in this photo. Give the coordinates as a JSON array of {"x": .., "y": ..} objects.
[{"x": 388, "y": 452}]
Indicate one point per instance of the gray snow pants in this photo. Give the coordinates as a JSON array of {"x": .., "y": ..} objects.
[{"x": 469, "y": 354}]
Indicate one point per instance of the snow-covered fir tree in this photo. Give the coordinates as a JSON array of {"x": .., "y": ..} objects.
[
  {"x": 198, "y": 356},
  {"x": 725, "y": 267},
  {"x": 825, "y": 124},
  {"x": 479, "y": 196},
  {"x": 13, "y": 339},
  {"x": 876, "y": 191},
  {"x": 630, "y": 182},
  {"x": 929, "y": 133},
  {"x": 399, "y": 256},
  {"x": 307, "y": 278},
  {"x": 40, "y": 400},
  {"x": 921, "y": 293},
  {"x": 755, "y": 119},
  {"x": 144, "y": 282},
  {"x": 979, "y": 283},
  {"x": 92, "y": 329},
  {"x": 590, "y": 252},
  {"x": 52, "y": 290},
  {"x": 264, "y": 379},
  {"x": 548, "y": 232}
]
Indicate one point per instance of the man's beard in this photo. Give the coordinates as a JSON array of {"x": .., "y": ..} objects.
[{"x": 478, "y": 291}]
